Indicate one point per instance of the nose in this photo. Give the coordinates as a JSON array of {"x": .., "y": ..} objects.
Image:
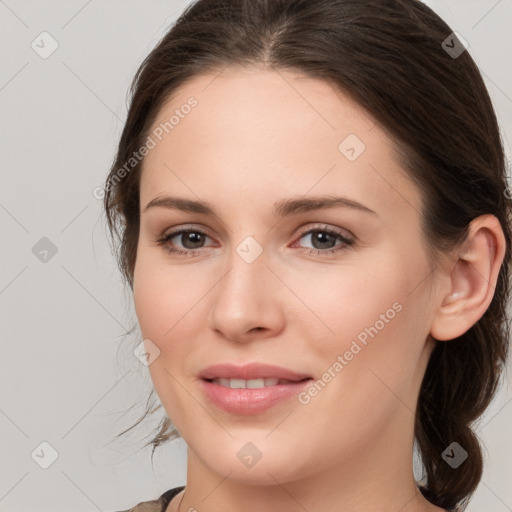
[{"x": 248, "y": 301}]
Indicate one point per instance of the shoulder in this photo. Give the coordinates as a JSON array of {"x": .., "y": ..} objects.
[{"x": 158, "y": 505}]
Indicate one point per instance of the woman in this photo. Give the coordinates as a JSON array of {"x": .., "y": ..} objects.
[{"x": 310, "y": 202}]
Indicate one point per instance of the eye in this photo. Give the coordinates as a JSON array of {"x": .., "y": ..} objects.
[
  {"x": 324, "y": 240},
  {"x": 191, "y": 241}
]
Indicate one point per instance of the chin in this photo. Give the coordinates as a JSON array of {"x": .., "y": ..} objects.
[{"x": 243, "y": 462}]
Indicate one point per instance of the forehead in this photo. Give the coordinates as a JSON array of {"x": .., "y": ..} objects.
[{"x": 272, "y": 134}]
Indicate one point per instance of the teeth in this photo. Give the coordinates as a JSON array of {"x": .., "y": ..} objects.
[
  {"x": 237, "y": 383},
  {"x": 250, "y": 383}
]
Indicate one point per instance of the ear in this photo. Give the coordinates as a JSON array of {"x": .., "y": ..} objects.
[{"x": 471, "y": 279}]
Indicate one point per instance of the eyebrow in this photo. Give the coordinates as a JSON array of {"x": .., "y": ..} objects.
[{"x": 283, "y": 208}]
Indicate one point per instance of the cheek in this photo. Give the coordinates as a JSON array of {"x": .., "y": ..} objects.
[
  {"x": 163, "y": 301},
  {"x": 352, "y": 301},
  {"x": 375, "y": 318},
  {"x": 163, "y": 295},
  {"x": 149, "y": 304}
]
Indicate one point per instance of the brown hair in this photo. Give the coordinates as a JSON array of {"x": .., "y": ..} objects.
[{"x": 388, "y": 56}]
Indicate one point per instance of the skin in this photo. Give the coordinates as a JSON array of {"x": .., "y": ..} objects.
[{"x": 257, "y": 137}]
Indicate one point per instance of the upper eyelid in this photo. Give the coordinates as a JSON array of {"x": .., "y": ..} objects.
[
  {"x": 180, "y": 229},
  {"x": 325, "y": 227}
]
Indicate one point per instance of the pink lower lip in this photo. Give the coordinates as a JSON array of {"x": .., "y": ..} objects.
[{"x": 250, "y": 401}]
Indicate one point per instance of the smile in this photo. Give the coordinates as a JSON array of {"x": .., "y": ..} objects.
[{"x": 250, "y": 383}]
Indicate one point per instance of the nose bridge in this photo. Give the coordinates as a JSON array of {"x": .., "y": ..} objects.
[
  {"x": 246, "y": 296},
  {"x": 246, "y": 278}
]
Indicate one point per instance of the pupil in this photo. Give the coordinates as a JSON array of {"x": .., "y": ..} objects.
[
  {"x": 193, "y": 238},
  {"x": 323, "y": 238}
]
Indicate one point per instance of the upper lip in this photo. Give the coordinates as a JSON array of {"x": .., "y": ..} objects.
[{"x": 250, "y": 371}]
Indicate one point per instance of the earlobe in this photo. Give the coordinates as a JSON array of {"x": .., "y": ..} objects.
[{"x": 472, "y": 278}]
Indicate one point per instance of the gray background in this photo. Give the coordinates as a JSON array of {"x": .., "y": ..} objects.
[{"x": 67, "y": 374}]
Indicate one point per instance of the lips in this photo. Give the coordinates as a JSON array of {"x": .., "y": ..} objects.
[{"x": 250, "y": 389}]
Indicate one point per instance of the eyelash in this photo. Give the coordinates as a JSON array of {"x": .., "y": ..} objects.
[{"x": 346, "y": 242}]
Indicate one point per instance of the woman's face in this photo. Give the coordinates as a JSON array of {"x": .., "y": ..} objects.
[{"x": 338, "y": 294}]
